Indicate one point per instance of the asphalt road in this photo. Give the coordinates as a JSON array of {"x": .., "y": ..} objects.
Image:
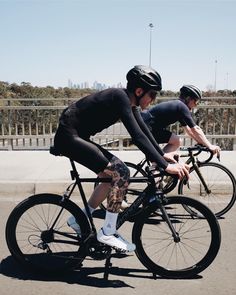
[{"x": 128, "y": 275}]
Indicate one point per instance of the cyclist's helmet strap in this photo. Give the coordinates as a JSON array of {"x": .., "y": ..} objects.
[
  {"x": 191, "y": 91},
  {"x": 143, "y": 77}
]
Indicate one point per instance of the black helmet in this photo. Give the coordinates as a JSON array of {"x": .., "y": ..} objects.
[
  {"x": 191, "y": 91},
  {"x": 144, "y": 77}
]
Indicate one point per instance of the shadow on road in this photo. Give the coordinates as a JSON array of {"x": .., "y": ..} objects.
[{"x": 88, "y": 275}]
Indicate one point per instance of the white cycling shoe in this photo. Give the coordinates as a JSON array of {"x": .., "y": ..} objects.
[
  {"x": 115, "y": 241},
  {"x": 71, "y": 222}
]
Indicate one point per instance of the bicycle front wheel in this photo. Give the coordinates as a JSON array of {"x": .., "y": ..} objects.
[
  {"x": 39, "y": 238},
  {"x": 194, "y": 249},
  {"x": 213, "y": 184}
]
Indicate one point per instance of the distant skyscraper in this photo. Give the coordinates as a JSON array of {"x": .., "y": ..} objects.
[{"x": 69, "y": 83}]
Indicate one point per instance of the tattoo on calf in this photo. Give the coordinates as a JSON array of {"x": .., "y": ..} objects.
[{"x": 119, "y": 173}]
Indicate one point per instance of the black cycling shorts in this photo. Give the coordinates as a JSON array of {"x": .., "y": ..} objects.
[
  {"x": 83, "y": 151},
  {"x": 162, "y": 135}
]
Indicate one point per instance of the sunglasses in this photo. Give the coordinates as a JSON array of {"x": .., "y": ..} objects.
[
  {"x": 196, "y": 101},
  {"x": 152, "y": 94}
]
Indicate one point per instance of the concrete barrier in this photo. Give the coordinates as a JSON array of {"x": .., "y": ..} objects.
[{"x": 23, "y": 173}]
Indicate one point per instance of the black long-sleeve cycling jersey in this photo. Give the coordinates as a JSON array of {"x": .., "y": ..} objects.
[{"x": 100, "y": 110}]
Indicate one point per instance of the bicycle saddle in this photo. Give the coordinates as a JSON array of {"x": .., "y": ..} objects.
[{"x": 54, "y": 151}]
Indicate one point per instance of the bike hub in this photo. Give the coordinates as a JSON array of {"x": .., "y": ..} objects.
[{"x": 47, "y": 236}]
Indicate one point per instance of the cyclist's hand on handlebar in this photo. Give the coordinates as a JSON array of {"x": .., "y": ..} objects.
[
  {"x": 172, "y": 157},
  {"x": 215, "y": 149},
  {"x": 179, "y": 169}
]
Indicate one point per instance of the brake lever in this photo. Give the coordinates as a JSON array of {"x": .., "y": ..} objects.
[{"x": 186, "y": 182}]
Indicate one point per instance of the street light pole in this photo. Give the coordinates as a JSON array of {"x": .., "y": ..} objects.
[
  {"x": 150, "y": 45},
  {"x": 215, "y": 74}
]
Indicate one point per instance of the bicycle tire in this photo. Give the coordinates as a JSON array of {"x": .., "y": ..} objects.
[
  {"x": 199, "y": 243},
  {"x": 219, "y": 180},
  {"x": 32, "y": 244}
]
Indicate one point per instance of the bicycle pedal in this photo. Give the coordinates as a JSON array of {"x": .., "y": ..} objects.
[{"x": 118, "y": 250}]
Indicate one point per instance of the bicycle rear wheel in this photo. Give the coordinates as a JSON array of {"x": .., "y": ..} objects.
[
  {"x": 217, "y": 190},
  {"x": 38, "y": 237},
  {"x": 198, "y": 244}
]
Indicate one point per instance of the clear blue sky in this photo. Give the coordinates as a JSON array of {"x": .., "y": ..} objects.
[{"x": 48, "y": 42}]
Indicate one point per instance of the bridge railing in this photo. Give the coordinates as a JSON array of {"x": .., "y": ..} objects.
[{"x": 28, "y": 124}]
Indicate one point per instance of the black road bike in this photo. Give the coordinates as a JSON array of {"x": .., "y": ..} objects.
[{"x": 175, "y": 237}]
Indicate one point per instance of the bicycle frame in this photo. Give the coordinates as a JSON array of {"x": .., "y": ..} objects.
[{"x": 150, "y": 195}]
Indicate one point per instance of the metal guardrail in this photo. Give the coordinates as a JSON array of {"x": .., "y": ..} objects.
[{"x": 27, "y": 124}]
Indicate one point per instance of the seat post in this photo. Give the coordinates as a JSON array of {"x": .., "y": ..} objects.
[
  {"x": 75, "y": 174},
  {"x": 74, "y": 170}
]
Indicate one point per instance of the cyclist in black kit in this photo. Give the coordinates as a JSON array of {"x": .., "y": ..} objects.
[
  {"x": 96, "y": 112},
  {"x": 159, "y": 117}
]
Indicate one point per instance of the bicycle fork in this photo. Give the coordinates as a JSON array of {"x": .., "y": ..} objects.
[
  {"x": 199, "y": 174},
  {"x": 160, "y": 200},
  {"x": 165, "y": 215}
]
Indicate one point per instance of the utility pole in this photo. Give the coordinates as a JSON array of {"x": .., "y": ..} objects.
[
  {"x": 215, "y": 74},
  {"x": 150, "y": 45}
]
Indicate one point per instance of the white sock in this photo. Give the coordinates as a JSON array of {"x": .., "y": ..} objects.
[
  {"x": 72, "y": 218},
  {"x": 90, "y": 209},
  {"x": 109, "y": 227}
]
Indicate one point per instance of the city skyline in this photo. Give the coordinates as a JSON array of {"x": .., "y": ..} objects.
[{"x": 94, "y": 85}]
